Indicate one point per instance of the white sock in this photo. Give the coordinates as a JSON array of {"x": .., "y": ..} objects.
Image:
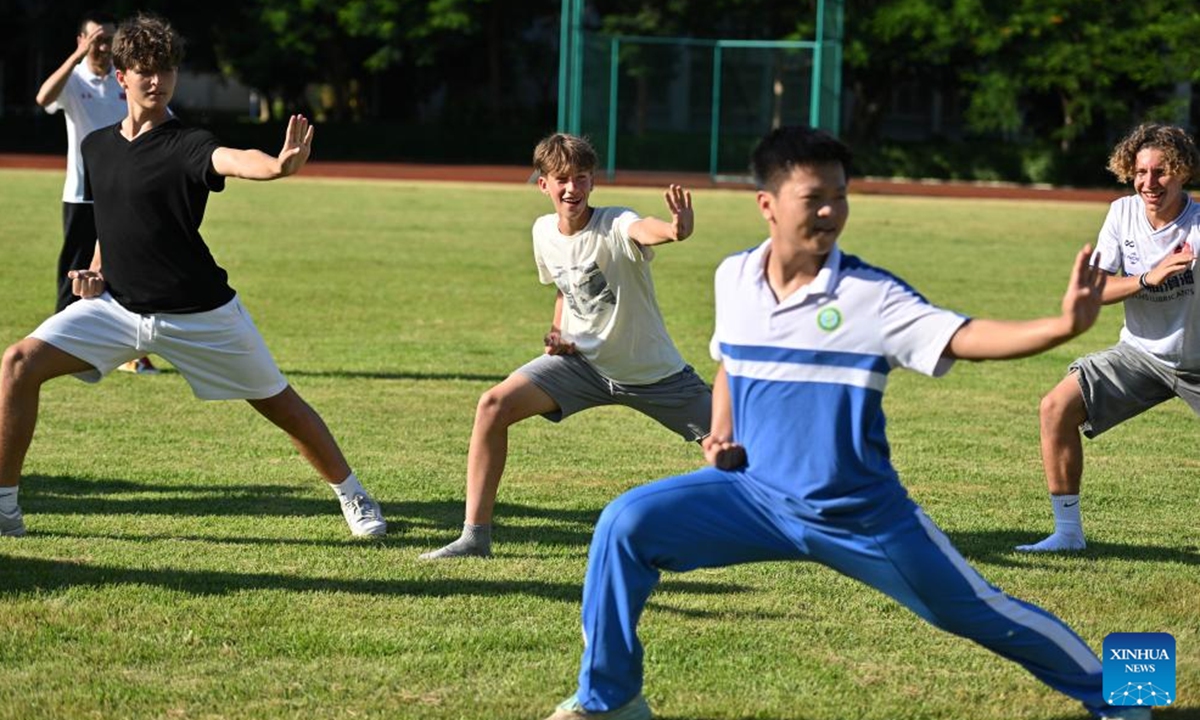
[
  {"x": 1066, "y": 515},
  {"x": 8, "y": 499},
  {"x": 348, "y": 488},
  {"x": 1068, "y": 528}
]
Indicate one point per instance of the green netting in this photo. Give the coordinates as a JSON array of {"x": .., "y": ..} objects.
[
  {"x": 688, "y": 105},
  {"x": 681, "y": 104}
]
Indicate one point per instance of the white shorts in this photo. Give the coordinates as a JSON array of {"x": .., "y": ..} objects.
[{"x": 219, "y": 352}]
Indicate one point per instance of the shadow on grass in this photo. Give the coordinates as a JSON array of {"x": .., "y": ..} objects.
[
  {"x": 68, "y": 495},
  {"x": 997, "y": 547},
  {"x": 378, "y": 375},
  {"x": 398, "y": 375},
  {"x": 22, "y": 575}
]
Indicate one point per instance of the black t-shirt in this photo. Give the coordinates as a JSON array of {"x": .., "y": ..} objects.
[{"x": 150, "y": 194}]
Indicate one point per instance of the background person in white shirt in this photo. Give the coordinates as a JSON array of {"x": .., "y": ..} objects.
[
  {"x": 86, "y": 90},
  {"x": 1151, "y": 237}
]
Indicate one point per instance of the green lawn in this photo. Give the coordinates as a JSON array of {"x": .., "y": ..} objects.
[{"x": 184, "y": 562}]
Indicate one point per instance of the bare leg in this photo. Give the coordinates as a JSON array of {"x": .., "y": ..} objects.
[
  {"x": 312, "y": 438},
  {"x": 500, "y": 407},
  {"x": 308, "y": 433},
  {"x": 1061, "y": 412},
  {"x": 504, "y": 405},
  {"x": 26, "y": 366}
]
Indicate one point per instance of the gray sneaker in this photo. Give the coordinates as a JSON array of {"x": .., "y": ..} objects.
[
  {"x": 571, "y": 709},
  {"x": 363, "y": 516},
  {"x": 12, "y": 525}
]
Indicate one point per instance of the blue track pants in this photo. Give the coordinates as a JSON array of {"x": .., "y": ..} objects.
[{"x": 709, "y": 519}]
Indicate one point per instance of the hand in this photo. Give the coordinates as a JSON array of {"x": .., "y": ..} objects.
[
  {"x": 1173, "y": 264},
  {"x": 297, "y": 144},
  {"x": 723, "y": 453},
  {"x": 556, "y": 345},
  {"x": 84, "y": 43},
  {"x": 86, "y": 283},
  {"x": 1082, "y": 301},
  {"x": 679, "y": 202}
]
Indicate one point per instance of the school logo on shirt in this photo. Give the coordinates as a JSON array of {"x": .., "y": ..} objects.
[
  {"x": 829, "y": 319},
  {"x": 1139, "y": 669}
]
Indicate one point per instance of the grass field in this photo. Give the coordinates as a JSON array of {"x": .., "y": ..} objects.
[{"x": 184, "y": 562}]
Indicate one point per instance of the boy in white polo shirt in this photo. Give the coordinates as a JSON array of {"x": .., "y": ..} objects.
[
  {"x": 806, "y": 337},
  {"x": 607, "y": 344},
  {"x": 1152, "y": 238}
]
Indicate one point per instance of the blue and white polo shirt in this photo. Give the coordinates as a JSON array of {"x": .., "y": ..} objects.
[{"x": 807, "y": 375}]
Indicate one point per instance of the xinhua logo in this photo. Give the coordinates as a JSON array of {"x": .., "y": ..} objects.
[
  {"x": 1139, "y": 669},
  {"x": 829, "y": 319}
]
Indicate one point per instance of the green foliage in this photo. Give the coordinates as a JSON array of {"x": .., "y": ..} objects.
[
  {"x": 183, "y": 562},
  {"x": 1035, "y": 68}
]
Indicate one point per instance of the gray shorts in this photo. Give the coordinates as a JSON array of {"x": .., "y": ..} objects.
[
  {"x": 1123, "y": 382},
  {"x": 681, "y": 402}
]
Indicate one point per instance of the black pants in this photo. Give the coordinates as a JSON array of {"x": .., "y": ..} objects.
[{"x": 79, "y": 244}]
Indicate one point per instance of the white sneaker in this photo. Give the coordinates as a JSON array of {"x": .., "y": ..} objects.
[
  {"x": 363, "y": 516},
  {"x": 12, "y": 525},
  {"x": 1058, "y": 542}
]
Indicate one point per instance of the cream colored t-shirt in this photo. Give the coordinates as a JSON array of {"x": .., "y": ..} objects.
[{"x": 609, "y": 309}]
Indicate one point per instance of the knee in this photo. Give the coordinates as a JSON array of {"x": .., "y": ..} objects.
[
  {"x": 1055, "y": 410},
  {"x": 285, "y": 408},
  {"x": 493, "y": 409},
  {"x": 17, "y": 365},
  {"x": 626, "y": 519}
]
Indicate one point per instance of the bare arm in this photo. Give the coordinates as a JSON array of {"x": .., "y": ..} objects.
[
  {"x": 719, "y": 448},
  {"x": 53, "y": 86},
  {"x": 555, "y": 345},
  {"x": 1002, "y": 339},
  {"x": 652, "y": 231},
  {"x": 257, "y": 165},
  {"x": 1120, "y": 288}
]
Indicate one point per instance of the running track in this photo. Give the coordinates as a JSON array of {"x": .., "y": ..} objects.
[{"x": 519, "y": 174}]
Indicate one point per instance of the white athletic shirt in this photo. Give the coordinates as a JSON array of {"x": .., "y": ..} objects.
[
  {"x": 609, "y": 308},
  {"x": 89, "y": 102},
  {"x": 806, "y": 381},
  {"x": 1160, "y": 321}
]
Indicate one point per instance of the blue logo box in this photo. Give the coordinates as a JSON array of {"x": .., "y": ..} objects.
[{"x": 1139, "y": 669}]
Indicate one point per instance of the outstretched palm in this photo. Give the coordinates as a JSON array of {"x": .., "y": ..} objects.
[
  {"x": 1085, "y": 292},
  {"x": 679, "y": 202},
  {"x": 297, "y": 144}
]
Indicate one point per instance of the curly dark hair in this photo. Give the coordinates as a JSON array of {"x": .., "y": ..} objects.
[
  {"x": 1178, "y": 149},
  {"x": 147, "y": 43}
]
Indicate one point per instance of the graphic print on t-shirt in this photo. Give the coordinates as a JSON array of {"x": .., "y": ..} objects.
[{"x": 586, "y": 290}]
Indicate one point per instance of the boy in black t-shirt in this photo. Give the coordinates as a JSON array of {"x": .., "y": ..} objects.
[{"x": 153, "y": 285}]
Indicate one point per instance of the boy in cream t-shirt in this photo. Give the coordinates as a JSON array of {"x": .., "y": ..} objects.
[{"x": 607, "y": 344}]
